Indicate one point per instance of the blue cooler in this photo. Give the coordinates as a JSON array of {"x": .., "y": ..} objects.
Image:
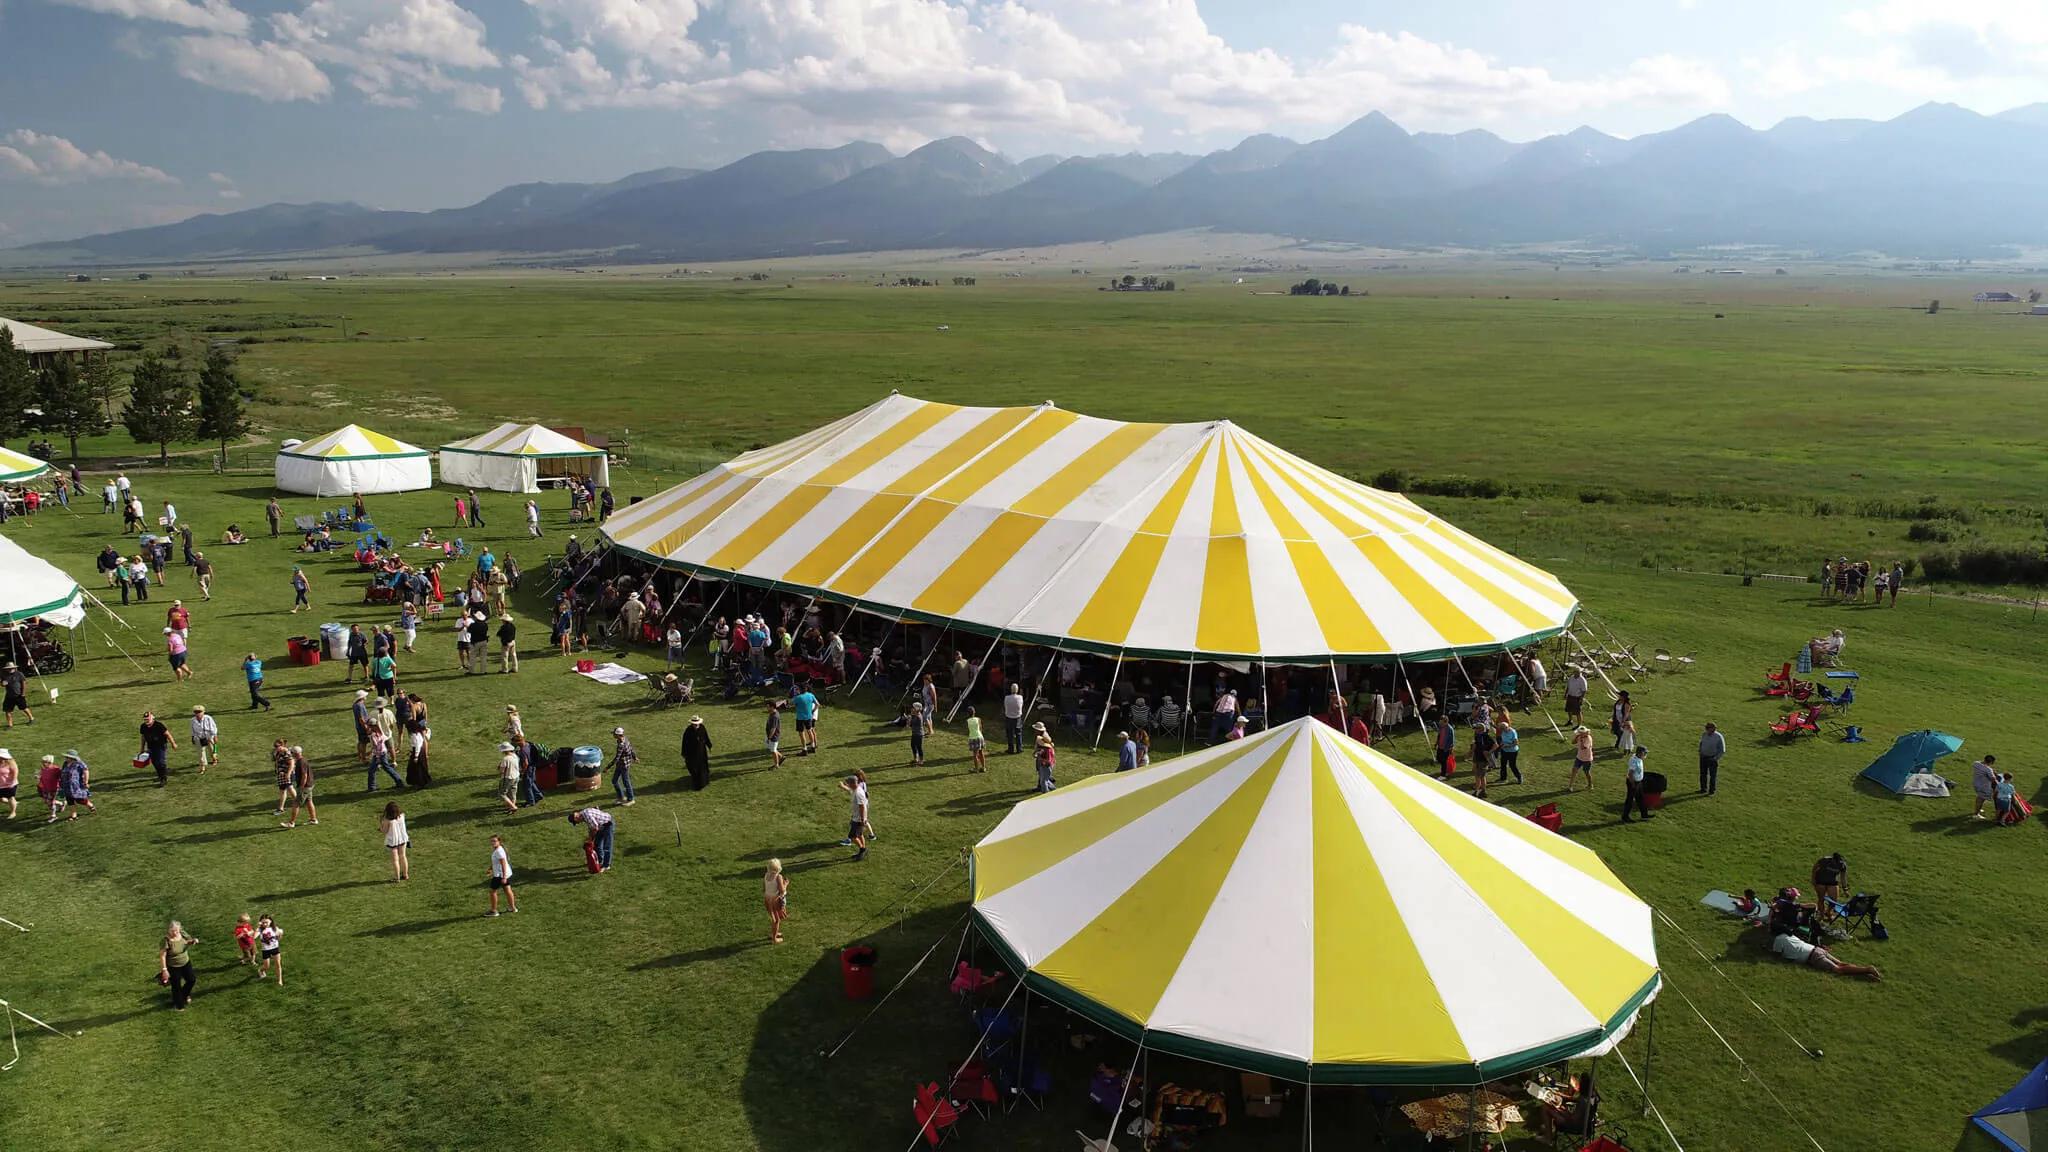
[{"x": 587, "y": 767}]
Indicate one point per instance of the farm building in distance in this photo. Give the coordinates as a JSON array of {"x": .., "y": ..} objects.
[
  {"x": 1996, "y": 298},
  {"x": 43, "y": 345}
]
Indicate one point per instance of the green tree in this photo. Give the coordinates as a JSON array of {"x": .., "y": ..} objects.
[
  {"x": 159, "y": 408},
  {"x": 17, "y": 387},
  {"x": 104, "y": 384},
  {"x": 223, "y": 402},
  {"x": 69, "y": 407}
]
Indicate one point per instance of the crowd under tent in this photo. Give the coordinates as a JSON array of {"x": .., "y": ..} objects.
[
  {"x": 518, "y": 457},
  {"x": 18, "y": 468},
  {"x": 353, "y": 459},
  {"x": 1183, "y": 542},
  {"x": 1299, "y": 905},
  {"x": 32, "y": 587}
]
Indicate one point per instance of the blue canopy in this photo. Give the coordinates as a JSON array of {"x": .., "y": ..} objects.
[
  {"x": 2019, "y": 1119},
  {"x": 1911, "y": 753}
]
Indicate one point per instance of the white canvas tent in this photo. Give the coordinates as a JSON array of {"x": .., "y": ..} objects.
[
  {"x": 514, "y": 457},
  {"x": 353, "y": 459},
  {"x": 16, "y": 468},
  {"x": 30, "y": 586}
]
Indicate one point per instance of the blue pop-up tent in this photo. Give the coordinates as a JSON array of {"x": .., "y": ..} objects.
[
  {"x": 1913, "y": 755},
  {"x": 2019, "y": 1119}
]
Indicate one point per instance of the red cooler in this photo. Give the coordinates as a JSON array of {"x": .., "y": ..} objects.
[{"x": 857, "y": 971}]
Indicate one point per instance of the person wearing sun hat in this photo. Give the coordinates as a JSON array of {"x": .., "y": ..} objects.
[
  {"x": 508, "y": 775},
  {"x": 17, "y": 693},
  {"x": 1582, "y": 758},
  {"x": 623, "y": 759},
  {"x": 1044, "y": 755},
  {"x": 74, "y": 784},
  {"x": 205, "y": 738},
  {"x": 697, "y": 753},
  {"x": 10, "y": 781}
]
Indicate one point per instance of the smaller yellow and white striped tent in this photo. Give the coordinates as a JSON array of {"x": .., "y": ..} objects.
[
  {"x": 513, "y": 457},
  {"x": 16, "y": 468},
  {"x": 1298, "y": 904},
  {"x": 1165, "y": 541},
  {"x": 353, "y": 459}
]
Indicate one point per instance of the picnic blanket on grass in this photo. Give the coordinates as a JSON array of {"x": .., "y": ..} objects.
[{"x": 610, "y": 673}]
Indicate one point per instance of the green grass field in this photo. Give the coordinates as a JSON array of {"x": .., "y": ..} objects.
[{"x": 644, "y": 1009}]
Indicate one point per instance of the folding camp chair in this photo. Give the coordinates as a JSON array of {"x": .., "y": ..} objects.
[
  {"x": 935, "y": 1115},
  {"x": 1781, "y": 676},
  {"x": 974, "y": 1088},
  {"x": 1024, "y": 1080},
  {"x": 1857, "y": 911},
  {"x": 305, "y": 524}
]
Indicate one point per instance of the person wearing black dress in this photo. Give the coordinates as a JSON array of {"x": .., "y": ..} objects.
[
  {"x": 418, "y": 735},
  {"x": 697, "y": 753}
]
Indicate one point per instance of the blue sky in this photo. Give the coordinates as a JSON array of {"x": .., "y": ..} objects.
[{"x": 116, "y": 113}]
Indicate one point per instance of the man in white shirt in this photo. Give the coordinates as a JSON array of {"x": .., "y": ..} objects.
[
  {"x": 1539, "y": 680},
  {"x": 501, "y": 876},
  {"x": 1575, "y": 695},
  {"x": 1013, "y": 718},
  {"x": 856, "y": 786},
  {"x": 1070, "y": 670}
]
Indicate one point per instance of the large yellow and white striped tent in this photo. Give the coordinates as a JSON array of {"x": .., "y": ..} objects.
[
  {"x": 17, "y": 468},
  {"x": 1298, "y": 904},
  {"x": 353, "y": 458},
  {"x": 1041, "y": 525}
]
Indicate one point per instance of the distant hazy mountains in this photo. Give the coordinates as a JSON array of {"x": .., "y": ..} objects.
[{"x": 1939, "y": 181}]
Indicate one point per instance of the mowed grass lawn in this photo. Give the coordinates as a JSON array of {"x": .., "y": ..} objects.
[{"x": 644, "y": 1009}]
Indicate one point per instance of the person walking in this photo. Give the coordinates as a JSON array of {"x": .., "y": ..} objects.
[
  {"x": 928, "y": 696},
  {"x": 358, "y": 654},
  {"x": 533, "y": 519},
  {"x": 508, "y": 775},
  {"x": 1013, "y": 719},
  {"x": 156, "y": 742},
  {"x": 501, "y": 877},
  {"x": 302, "y": 788},
  {"x": 420, "y": 739},
  {"x": 179, "y": 619},
  {"x": 409, "y": 624},
  {"x": 202, "y": 572},
  {"x": 600, "y": 830},
  {"x": 205, "y": 738},
  {"x": 179, "y": 654},
  {"x": 16, "y": 693},
  {"x": 920, "y": 724},
  {"x": 697, "y": 753},
  {"x": 360, "y": 712},
  {"x": 508, "y": 644},
  {"x": 623, "y": 759},
  {"x": 270, "y": 949},
  {"x": 1044, "y": 756},
  {"x": 281, "y": 765},
  {"x": 977, "y": 745},
  {"x": 775, "y": 897},
  {"x": 1634, "y": 796},
  {"x": 805, "y": 702},
  {"x": 174, "y": 965},
  {"x": 138, "y": 579},
  {"x": 1713, "y": 746},
  {"x": 252, "y": 671},
  {"x": 1983, "y": 781},
  {"x": 772, "y": 733},
  {"x": 384, "y": 675},
  {"x": 461, "y": 512},
  {"x": 396, "y": 841},
  {"x": 380, "y": 759},
  {"x": 275, "y": 515},
  {"x": 1507, "y": 748},
  {"x": 301, "y": 587},
  {"x": 479, "y": 636},
  {"x": 1574, "y": 695},
  {"x": 10, "y": 782},
  {"x": 1482, "y": 756},
  {"x": 529, "y": 771},
  {"x": 476, "y": 510},
  {"x": 1126, "y": 753},
  {"x": 1446, "y": 745},
  {"x": 856, "y": 787}
]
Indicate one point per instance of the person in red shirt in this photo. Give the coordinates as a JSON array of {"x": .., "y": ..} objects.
[
  {"x": 179, "y": 619},
  {"x": 245, "y": 939},
  {"x": 1360, "y": 731}
]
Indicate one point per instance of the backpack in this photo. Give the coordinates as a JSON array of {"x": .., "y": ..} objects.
[{"x": 1878, "y": 931}]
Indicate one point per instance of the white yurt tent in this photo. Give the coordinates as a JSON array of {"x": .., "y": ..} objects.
[
  {"x": 16, "y": 468},
  {"x": 30, "y": 586},
  {"x": 353, "y": 459},
  {"x": 514, "y": 457}
]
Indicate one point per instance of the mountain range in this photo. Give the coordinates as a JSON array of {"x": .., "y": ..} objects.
[{"x": 1939, "y": 181}]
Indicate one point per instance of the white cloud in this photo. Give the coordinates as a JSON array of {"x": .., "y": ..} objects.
[
  {"x": 265, "y": 70},
  {"x": 50, "y": 159},
  {"x": 392, "y": 51},
  {"x": 202, "y": 15},
  {"x": 220, "y": 178},
  {"x": 1108, "y": 71},
  {"x": 229, "y": 194}
]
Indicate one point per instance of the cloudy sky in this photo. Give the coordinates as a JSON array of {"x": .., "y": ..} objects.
[{"x": 115, "y": 113}]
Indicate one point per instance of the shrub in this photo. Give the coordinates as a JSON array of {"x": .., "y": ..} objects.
[
  {"x": 1480, "y": 488},
  {"x": 1924, "y": 530},
  {"x": 1986, "y": 564},
  {"x": 1598, "y": 496},
  {"x": 1390, "y": 480}
]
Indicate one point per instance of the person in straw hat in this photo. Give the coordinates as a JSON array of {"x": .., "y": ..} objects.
[
  {"x": 1044, "y": 756},
  {"x": 1582, "y": 758},
  {"x": 17, "y": 693},
  {"x": 205, "y": 738},
  {"x": 508, "y": 775},
  {"x": 697, "y": 753}
]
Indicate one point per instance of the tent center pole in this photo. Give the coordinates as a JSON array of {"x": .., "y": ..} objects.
[
  {"x": 1106, "y": 700},
  {"x": 874, "y": 657},
  {"x": 978, "y": 666},
  {"x": 1187, "y": 706}
]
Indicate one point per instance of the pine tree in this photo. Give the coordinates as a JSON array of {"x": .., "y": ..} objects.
[
  {"x": 17, "y": 387},
  {"x": 69, "y": 407},
  {"x": 104, "y": 384},
  {"x": 159, "y": 408},
  {"x": 223, "y": 402}
]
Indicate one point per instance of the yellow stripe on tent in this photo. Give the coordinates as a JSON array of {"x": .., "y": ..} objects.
[
  {"x": 1345, "y": 626},
  {"x": 506, "y": 435},
  {"x": 1005, "y": 863},
  {"x": 1125, "y": 957},
  {"x": 768, "y": 527},
  {"x": 1228, "y": 621},
  {"x": 1375, "y": 999},
  {"x": 380, "y": 443},
  {"x": 1599, "y": 973},
  {"x": 1008, "y": 535},
  {"x": 667, "y": 543},
  {"x": 1111, "y": 610},
  {"x": 906, "y": 533},
  {"x": 884, "y": 444},
  {"x": 947, "y": 460},
  {"x": 1004, "y": 455}
]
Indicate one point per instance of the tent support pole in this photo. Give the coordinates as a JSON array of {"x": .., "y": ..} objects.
[
  {"x": 1265, "y": 700},
  {"x": 1023, "y": 1033},
  {"x": 874, "y": 657},
  {"x": 1649, "y": 1052},
  {"x": 1038, "y": 689},
  {"x": 1187, "y": 706},
  {"x": 1413, "y": 704},
  {"x": 1106, "y": 700},
  {"x": 1614, "y": 693},
  {"x": 1337, "y": 691},
  {"x": 920, "y": 671},
  {"x": 1124, "y": 1094},
  {"x": 715, "y": 602},
  {"x": 1472, "y": 1116},
  {"x": 978, "y": 666}
]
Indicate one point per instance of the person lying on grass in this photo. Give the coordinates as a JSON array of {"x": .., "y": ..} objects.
[{"x": 1814, "y": 956}]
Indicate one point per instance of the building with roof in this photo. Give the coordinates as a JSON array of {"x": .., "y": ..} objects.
[{"x": 44, "y": 345}]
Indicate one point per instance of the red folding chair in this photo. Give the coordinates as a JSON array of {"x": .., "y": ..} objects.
[
  {"x": 935, "y": 1115},
  {"x": 975, "y": 1088},
  {"x": 1781, "y": 676}
]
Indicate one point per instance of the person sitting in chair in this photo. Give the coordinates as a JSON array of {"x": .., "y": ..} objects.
[
  {"x": 1576, "y": 1112},
  {"x": 1827, "y": 649}
]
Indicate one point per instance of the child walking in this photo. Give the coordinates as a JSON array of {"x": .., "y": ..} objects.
[
  {"x": 501, "y": 877},
  {"x": 270, "y": 939},
  {"x": 775, "y": 896},
  {"x": 976, "y": 746},
  {"x": 245, "y": 938}
]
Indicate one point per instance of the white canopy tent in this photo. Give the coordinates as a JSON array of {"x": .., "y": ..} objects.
[
  {"x": 514, "y": 457},
  {"x": 31, "y": 586},
  {"x": 16, "y": 468},
  {"x": 353, "y": 459}
]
